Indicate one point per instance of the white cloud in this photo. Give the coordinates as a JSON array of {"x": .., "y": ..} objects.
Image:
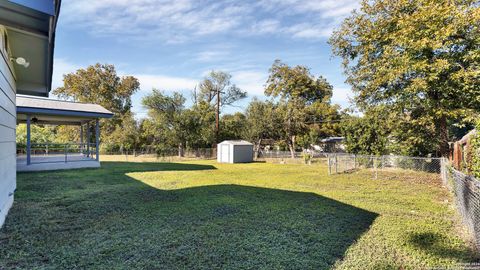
[
  {"x": 61, "y": 67},
  {"x": 175, "y": 21},
  {"x": 324, "y": 8},
  {"x": 162, "y": 82},
  {"x": 266, "y": 26},
  {"x": 342, "y": 96},
  {"x": 251, "y": 81},
  {"x": 147, "y": 81},
  {"x": 212, "y": 55},
  {"x": 306, "y": 30}
]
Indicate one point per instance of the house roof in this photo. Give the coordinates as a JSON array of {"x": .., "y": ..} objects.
[
  {"x": 468, "y": 136},
  {"x": 58, "y": 111},
  {"x": 30, "y": 28},
  {"x": 333, "y": 139},
  {"x": 236, "y": 142}
]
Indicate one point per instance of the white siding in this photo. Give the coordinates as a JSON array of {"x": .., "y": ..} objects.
[{"x": 7, "y": 134}]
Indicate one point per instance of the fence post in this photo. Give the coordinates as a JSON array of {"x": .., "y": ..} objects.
[
  {"x": 66, "y": 147},
  {"x": 329, "y": 165},
  {"x": 336, "y": 164},
  {"x": 29, "y": 144}
]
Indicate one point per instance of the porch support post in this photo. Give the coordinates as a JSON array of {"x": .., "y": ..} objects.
[
  {"x": 81, "y": 139},
  {"x": 88, "y": 139},
  {"x": 28, "y": 140},
  {"x": 97, "y": 139}
]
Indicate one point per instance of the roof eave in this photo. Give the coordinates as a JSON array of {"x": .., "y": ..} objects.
[
  {"x": 57, "y": 112},
  {"x": 31, "y": 21}
]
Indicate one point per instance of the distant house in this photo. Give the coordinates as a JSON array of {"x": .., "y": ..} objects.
[
  {"x": 331, "y": 145},
  {"x": 461, "y": 152}
]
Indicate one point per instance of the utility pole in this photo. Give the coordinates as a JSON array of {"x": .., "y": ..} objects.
[{"x": 217, "y": 115}]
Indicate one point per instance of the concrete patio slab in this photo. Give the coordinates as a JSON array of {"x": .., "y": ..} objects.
[{"x": 55, "y": 162}]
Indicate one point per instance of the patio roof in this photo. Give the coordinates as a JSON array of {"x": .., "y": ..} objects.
[{"x": 51, "y": 111}]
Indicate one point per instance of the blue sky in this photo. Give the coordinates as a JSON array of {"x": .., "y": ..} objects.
[{"x": 172, "y": 44}]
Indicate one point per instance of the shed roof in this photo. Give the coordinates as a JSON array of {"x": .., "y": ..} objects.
[{"x": 236, "y": 142}]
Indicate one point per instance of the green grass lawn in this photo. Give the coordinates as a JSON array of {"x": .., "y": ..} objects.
[{"x": 206, "y": 215}]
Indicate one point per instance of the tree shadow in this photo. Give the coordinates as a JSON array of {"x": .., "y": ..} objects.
[
  {"x": 436, "y": 243},
  {"x": 128, "y": 167},
  {"x": 116, "y": 221}
]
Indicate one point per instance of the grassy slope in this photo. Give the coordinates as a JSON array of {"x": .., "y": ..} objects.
[{"x": 207, "y": 215}]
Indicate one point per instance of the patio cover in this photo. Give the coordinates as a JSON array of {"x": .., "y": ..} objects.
[{"x": 58, "y": 112}]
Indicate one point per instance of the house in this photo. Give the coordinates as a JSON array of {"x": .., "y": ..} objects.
[
  {"x": 461, "y": 152},
  {"x": 27, "y": 38},
  {"x": 331, "y": 145},
  {"x": 27, "y": 35}
]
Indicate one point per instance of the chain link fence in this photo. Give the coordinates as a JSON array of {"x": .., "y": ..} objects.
[
  {"x": 388, "y": 166},
  {"x": 154, "y": 154},
  {"x": 286, "y": 157},
  {"x": 465, "y": 188}
]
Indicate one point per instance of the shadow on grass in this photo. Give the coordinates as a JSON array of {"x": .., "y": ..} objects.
[
  {"x": 434, "y": 243},
  {"x": 127, "y": 167},
  {"x": 112, "y": 220}
]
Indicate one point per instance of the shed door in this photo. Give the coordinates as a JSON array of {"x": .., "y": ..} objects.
[{"x": 225, "y": 153}]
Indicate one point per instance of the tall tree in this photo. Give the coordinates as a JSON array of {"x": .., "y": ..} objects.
[
  {"x": 296, "y": 89},
  {"x": 125, "y": 137},
  {"x": 323, "y": 120},
  {"x": 369, "y": 134},
  {"x": 262, "y": 122},
  {"x": 172, "y": 124},
  {"x": 101, "y": 85},
  {"x": 167, "y": 112},
  {"x": 217, "y": 88},
  {"x": 419, "y": 55},
  {"x": 234, "y": 126}
]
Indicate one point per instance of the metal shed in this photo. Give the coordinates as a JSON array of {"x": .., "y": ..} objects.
[{"x": 235, "y": 152}]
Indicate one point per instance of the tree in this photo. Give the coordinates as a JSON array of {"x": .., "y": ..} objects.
[
  {"x": 297, "y": 89},
  {"x": 323, "y": 120},
  {"x": 101, "y": 85},
  {"x": 419, "y": 55},
  {"x": 203, "y": 136},
  {"x": 218, "y": 86},
  {"x": 39, "y": 134},
  {"x": 262, "y": 122},
  {"x": 219, "y": 81},
  {"x": 234, "y": 126},
  {"x": 171, "y": 124},
  {"x": 126, "y": 136},
  {"x": 167, "y": 112},
  {"x": 367, "y": 135}
]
